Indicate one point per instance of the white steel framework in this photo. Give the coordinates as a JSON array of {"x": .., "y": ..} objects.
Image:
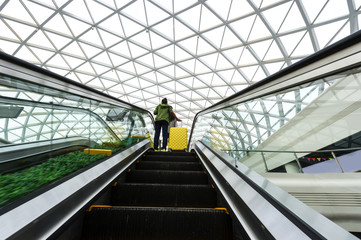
[{"x": 194, "y": 52}]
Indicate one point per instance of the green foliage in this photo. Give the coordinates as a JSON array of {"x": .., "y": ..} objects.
[
  {"x": 118, "y": 145},
  {"x": 16, "y": 185}
]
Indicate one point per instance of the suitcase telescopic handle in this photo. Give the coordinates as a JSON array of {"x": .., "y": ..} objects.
[{"x": 176, "y": 123}]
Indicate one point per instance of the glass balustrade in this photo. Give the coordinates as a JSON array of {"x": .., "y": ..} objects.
[
  {"x": 284, "y": 131},
  {"x": 47, "y": 134}
]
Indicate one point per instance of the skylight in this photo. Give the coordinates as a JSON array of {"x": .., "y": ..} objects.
[{"x": 188, "y": 50}]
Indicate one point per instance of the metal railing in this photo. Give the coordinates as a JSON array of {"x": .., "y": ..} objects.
[{"x": 332, "y": 152}]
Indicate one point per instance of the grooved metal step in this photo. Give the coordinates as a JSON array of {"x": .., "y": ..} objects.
[
  {"x": 156, "y": 223},
  {"x": 162, "y": 165},
  {"x": 163, "y": 195},
  {"x": 169, "y": 158},
  {"x": 167, "y": 176},
  {"x": 183, "y": 154}
]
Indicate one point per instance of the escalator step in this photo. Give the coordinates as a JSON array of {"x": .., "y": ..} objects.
[
  {"x": 150, "y": 165},
  {"x": 163, "y": 195},
  {"x": 156, "y": 223},
  {"x": 183, "y": 154},
  {"x": 167, "y": 176},
  {"x": 169, "y": 158}
]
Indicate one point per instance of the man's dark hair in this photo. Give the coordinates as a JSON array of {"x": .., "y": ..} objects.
[{"x": 164, "y": 101}]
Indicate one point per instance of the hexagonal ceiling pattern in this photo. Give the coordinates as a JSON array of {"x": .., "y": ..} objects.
[{"x": 194, "y": 52}]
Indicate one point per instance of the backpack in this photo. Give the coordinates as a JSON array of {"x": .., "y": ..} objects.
[{"x": 171, "y": 117}]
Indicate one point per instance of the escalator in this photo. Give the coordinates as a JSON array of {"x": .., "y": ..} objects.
[
  {"x": 163, "y": 196},
  {"x": 141, "y": 194}
]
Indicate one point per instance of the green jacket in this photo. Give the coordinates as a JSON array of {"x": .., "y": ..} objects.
[{"x": 162, "y": 112}]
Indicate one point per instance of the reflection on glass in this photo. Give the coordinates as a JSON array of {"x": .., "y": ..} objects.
[
  {"x": 46, "y": 134},
  {"x": 279, "y": 132}
]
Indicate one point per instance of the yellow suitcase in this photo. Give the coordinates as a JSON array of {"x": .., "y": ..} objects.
[{"x": 177, "y": 139}]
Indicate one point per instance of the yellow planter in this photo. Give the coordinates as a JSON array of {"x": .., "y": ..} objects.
[{"x": 98, "y": 151}]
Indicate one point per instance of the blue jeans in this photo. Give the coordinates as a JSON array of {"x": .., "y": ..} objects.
[{"x": 161, "y": 125}]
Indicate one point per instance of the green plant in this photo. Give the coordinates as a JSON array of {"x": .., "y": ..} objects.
[
  {"x": 118, "y": 145},
  {"x": 16, "y": 185}
]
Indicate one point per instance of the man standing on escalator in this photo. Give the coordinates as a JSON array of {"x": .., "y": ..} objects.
[{"x": 163, "y": 114}]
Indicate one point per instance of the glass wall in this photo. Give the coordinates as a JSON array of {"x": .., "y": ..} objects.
[
  {"x": 47, "y": 134},
  {"x": 280, "y": 132}
]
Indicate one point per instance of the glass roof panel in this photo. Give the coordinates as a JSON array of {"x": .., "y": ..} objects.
[
  {"x": 304, "y": 47},
  {"x": 136, "y": 11},
  {"x": 293, "y": 20},
  {"x": 223, "y": 63},
  {"x": 16, "y": 10},
  {"x": 181, "y": 5},
  {"x": 208, "y": 19},
  {"x": 261, "y": 48},
  {"x": 98, "y": 11},
  {"x": 130, "y": 27},
  {"x": 154, "y": 14},
  {"x": 181, "y": 31},
  {"x": 332, "y": 10},
  {"x": 215, "y": 36},
  {"x": 259, "y": 30},
  {"x": 325, "y": 33},
  {"x": 204, "y": 47},
  {"x": 121, "y": 49},
  {"x": 275, "y": 16},
  {"x": 290, "y": 41},
  {"x": 313, "y": 8},
  {"x": 79, "y": 9},
  {"x": 137, "y": 50},
  {"x": 210, "y": 60},
  {"x": 109, "y": 39},
  {"x": 273, "y": 52},
  {"x": 244, "y": 26},
  {"x": 220, "y": 7},
  {"x": 160, "y": 62},
  {"x": 180, "y": 54},
  {"x": 167, "y": 52},
  {"x": 59, "y": 41},
  {"x": 192, "y": 17},
  {"x": 21, "y": 30},
  {"x": 113, "y": 24},
  {"x": 239, "y": 8},
  {"x": 158, "y": 41},
  {"x": 121, "y": 3},
  {"x": 179, "y": 50},
  {"x": 146, "y": 59},
  {"x": 42, "y": 13},
  {"x": 190, "y": 44}
]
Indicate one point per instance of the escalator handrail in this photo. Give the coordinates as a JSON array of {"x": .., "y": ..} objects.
[{"x": 302, "y": 217}]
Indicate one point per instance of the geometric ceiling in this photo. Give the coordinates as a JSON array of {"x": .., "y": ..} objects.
[{"x": 194, "y": 52}]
